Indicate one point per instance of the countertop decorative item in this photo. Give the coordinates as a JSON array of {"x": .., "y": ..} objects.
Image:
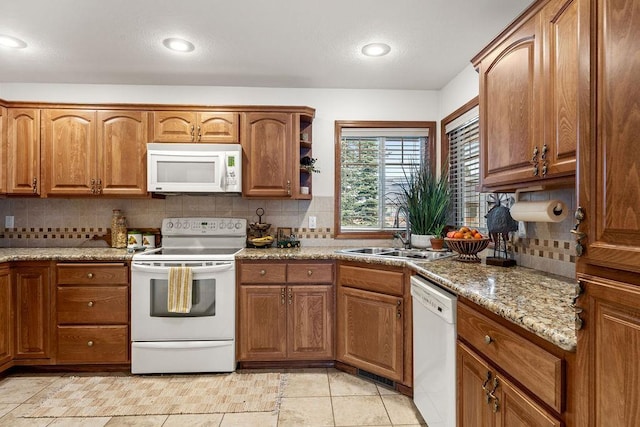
[
  {"x": 467, "y": 249},
  {"x": 424, "y": 199},
  {"x": 258, "y": 236},
  {"x": 500, "y": 224},
  {"x": 286, "y": 238}
]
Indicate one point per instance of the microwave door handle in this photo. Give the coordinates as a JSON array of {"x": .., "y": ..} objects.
[{"x": 195, "y": 270}]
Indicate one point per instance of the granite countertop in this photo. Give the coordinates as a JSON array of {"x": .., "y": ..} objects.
[
  {"x": 63, "y": 254},
  {"x": 533, "y": 300}
]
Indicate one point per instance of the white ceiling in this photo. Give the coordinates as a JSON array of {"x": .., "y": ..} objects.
[{"x": 255, "y": 43}]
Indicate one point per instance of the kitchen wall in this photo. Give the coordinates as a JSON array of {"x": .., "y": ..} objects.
[{"x": 73, "y": 222}]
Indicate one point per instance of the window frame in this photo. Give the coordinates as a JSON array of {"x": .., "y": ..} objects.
[
  {"x": 342, "y": 124},
  {"x": 444, "y": 139}
]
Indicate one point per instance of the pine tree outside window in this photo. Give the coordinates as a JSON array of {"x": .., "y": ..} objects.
[{"x": 371, "y": 158}]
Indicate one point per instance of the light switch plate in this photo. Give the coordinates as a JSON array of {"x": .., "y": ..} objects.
[
  {"x": 9, "y": 221},
  {"x": 312, "y": 222}
]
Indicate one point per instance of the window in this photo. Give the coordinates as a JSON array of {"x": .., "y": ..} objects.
[
  {"x": 461, "y": 145},
  {"x": 371, "y": 158}
]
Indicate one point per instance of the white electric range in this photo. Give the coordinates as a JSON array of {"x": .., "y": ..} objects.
[{"x": 202, "y": 340}]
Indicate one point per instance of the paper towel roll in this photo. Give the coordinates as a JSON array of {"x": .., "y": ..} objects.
[{"x": 547, "y": 211}]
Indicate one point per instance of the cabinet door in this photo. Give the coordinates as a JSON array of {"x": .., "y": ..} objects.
[
  {"x": 609, "y": 169},
  {"x": 486, "y": 398},
  {"x": 32, "y": 290},
  {"x": 310, "y": 322},
  {"x": 474, "y": 379},
  {"x": 23, "y": 151},
  {"x": 562, "y": 90},
  {"x": 3, "y": 150},
  {"x": 122, "y": 152},
  {"x": 268, "y": 145},
  {"x": 609, "y": 343},
  {"x": 69, "y": 152},
  {"x": 262, "y": 322},
  {"x": 217, "y": 127},
  {"x": 509, "y": 108},
  {"x": 369, "y": 332},
  {"x": 173, "y": 126},
  {"x": 6, "y": 319}
]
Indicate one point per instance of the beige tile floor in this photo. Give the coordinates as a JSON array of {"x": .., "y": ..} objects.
[{"x": 312, "y": 397}]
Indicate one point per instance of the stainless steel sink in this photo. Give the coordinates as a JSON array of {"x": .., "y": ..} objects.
[{"x": 414, "y": 254}]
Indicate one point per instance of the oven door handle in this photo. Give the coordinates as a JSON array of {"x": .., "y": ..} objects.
[{"x": 195, "y": 270}]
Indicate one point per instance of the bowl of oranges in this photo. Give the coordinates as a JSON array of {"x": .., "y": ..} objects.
[{"x": 467, "y": 242}]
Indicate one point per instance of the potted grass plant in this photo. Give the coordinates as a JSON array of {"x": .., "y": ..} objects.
[{"x": 425, "y": 200}]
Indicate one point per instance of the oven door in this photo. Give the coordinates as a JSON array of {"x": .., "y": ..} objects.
[{"x": 212, "y": 316}]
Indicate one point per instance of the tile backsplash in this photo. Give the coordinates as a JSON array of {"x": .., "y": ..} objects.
[
  {"x": 53, "y": 222},
  {"x": 73, "y": 222}
]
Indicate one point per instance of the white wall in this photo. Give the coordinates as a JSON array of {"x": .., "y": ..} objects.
[
  {"x": 330, "y": 105},
  {"x": 460, "y": 90}
]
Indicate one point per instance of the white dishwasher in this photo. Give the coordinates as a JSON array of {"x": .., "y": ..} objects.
[{"x": 434, "y": 352}]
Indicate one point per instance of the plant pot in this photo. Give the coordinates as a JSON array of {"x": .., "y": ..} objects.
[
  {"x": 437, "y": 243},
  {"x": 421, "y": 241}
]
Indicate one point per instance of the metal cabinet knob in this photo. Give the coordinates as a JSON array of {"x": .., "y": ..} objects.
[
  {"x": 90, "y": 304},
  {"x": 488, "y": 339},
  {"x": 90, "y": 275},
  {"x": 263, "y": 272},
  {"x": 309, "y": 273},
  {"x": 90, "y": 344}
]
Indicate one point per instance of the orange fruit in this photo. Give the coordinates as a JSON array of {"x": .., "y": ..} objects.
[{"x": 457, "y": 235}]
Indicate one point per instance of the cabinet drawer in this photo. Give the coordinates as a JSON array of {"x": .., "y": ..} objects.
[
  {"x": 93, "y": 344},
  {"x": 92, "y": 274},
  {"x": 382, "y": 281},
  {"x": 263, "y": 273},
  {"x": 534, "y": 367},
  {"x": 310, "y": 273},
  {"x": 90, "y": 305}
]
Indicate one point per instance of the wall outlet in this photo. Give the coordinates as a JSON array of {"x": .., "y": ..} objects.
[
  {"x": 9, "y": 221},
  {"x": 522, "y": 229},
  {"x": 312, "y": 222}
]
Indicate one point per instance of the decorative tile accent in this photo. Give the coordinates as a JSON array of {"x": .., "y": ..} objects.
[
  {"x": 316, "y": 233},
  {"x": 51, "y": 233},
  {"x": 551, "y": 249}
]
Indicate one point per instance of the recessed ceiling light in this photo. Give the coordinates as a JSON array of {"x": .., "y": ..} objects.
[
  {"x": 376, "y": 49},
  {"x": 179, "y": 45},
  {"x": 12, "y": 42}
]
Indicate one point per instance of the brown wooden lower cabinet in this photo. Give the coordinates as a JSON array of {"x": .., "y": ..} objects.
[
  {"x": 285, "y": 322},
  {"x": 92, "y": 313},
  {"x": 486, "y": 398},
  {"x": 285, "y": 311},
  {"x": 6, "y": 318},
  {"x": 32, "y": 311},
  {"x": 609, "y": 346},
  {"x": 371, "y": 332},
  {"x": 373, "y": 325}
]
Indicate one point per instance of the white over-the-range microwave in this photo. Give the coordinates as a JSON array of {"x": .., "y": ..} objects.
[{"x": 194, "y": 168}]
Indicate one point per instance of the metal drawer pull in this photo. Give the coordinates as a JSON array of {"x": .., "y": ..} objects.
[
  {"x": 309, "y": 273},
  {"x": 263, "y": 272},
  {"x": 90, "y": 303},
  {"x": 90, "y": 344},
  {"x": 90, "y": 275},
  {"x": 488, "y": 339}
]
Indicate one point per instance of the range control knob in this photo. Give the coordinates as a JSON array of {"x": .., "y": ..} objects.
[
  {"x": 187, "y": 225},
  {"x": 223, "y": 225},
  {"x": 238, "y": 225},
  {"x": 178, "y": 225},
  {"x": 169, "y": 224}
]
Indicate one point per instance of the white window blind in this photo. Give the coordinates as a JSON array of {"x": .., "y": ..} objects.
[
  {"x": 468, "y": 205},
  {"x": 372, "y": 163}
]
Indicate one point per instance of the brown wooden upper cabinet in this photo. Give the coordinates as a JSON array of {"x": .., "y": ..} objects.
[
  {"x": 23, "y": 151},
  {"x": 3, "y": 150},
  {"x": 192, "y": 126},
  {"x": 88, "y": 152},
  {"x": 267, "y": 142},
  {"x": 529, "y": 93}
]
